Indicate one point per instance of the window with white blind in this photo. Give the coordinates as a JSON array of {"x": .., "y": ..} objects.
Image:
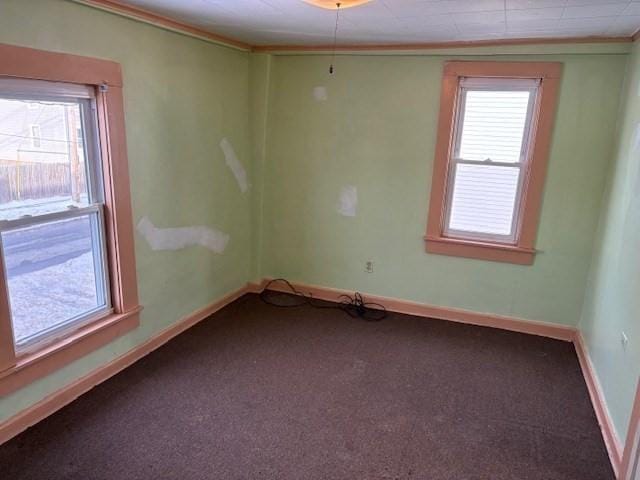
[
  {"x": 494, "y": 135},
  {"x": 489, "y": 156}
]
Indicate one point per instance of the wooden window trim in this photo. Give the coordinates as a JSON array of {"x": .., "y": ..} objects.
[
  {"x": 105, "y": 76},
  {"x": 523, "y": 251}
]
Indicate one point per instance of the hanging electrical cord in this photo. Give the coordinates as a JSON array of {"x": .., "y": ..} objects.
[
  {"x": 335, "y": 38},
  {"x": 354, "y": 306}
]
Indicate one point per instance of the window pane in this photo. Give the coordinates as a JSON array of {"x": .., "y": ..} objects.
[
  {"x": 484, "y": 199},
  {"x": 493, "y": 125},
  {"x": 42, "y": 157},
  {"x": 54, "y": 274}
]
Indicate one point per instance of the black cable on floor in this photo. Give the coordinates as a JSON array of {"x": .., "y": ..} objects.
[{"x": 354, "y": 306}]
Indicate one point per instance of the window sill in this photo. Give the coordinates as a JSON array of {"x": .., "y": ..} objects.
[
  {"x": 55, "y": 355},
  {"x": 480, "y": 250}
]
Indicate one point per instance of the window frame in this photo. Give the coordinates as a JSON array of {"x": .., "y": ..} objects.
[
  {"x": 84, "y": 97},
  {"x": 104, "y": 77},
  {"x": 489, "y": 84},
  {"x": 54, "y": 332},
  {"x": 36, "y": 140},
  {"x": 522, "y": 249}
]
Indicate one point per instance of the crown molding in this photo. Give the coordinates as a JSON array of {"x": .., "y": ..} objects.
[
  {"x": 145, "y": 16},
  {"x": 437, "y": 45}
]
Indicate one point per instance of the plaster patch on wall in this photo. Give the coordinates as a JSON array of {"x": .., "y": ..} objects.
[
  {"x": 636, "y": 138},
  {"x": 348, "y": 201},
  {"x": 320, "y": 94},
  {"x": 234, "y": 165},
  {"x": 182, "y": 237}
]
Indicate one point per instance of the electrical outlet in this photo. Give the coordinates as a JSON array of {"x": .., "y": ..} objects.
[
  {"x": 624, "y": 340},
  {"x": 368, "y": 267}
]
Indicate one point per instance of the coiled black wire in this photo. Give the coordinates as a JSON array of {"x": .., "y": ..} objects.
[{"x": 355, "y": 306}]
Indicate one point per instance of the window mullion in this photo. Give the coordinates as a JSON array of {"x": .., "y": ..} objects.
[
  {"x": 100, "y": 264},
  {"x": 489, "y": 163},
  {"x": 451, "y": 181},
  {"x": 26, "y": 221},
  {"x": 459, "y": 119},
  {"x": 526, "y": 138},
  {"x": 92, "y": 151}
]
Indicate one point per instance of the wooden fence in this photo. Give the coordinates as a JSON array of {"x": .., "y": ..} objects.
[{"x": 36, "y": 180}]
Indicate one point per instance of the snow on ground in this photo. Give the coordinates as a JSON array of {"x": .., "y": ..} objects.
[
  {"x": 50, "y": 267},
  {"x": 50, "y": 296}
]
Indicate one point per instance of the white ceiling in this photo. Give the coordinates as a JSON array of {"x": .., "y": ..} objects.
[{"x": 272, "y": 22}]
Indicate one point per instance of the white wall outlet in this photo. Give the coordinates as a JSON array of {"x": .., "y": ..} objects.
[
  {"x": 368, "y": 267},
  {"x": 624, "y": 340}
]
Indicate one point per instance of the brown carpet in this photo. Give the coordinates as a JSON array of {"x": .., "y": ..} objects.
[{"x": 258, "y": 392}]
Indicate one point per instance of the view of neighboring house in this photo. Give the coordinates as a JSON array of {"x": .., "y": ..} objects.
[
  {"x": 41, "y": 152},
  {"x": 42, "y": 171}
]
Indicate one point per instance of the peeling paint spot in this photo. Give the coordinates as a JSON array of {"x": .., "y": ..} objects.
[
  {"x": 320, "y": 94},
  {"x": 348, "y": 202},
  {"x": 234, "y": 165},
  {"x": 182, "y": 237}
]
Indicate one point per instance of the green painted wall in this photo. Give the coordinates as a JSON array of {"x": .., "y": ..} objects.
[
  {"x": 377, "y": 131},
  {"x": 612, "y": 301},
  {"x": 182, "y": 96}
]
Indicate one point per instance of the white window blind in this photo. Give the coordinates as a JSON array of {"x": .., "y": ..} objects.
[{"x": 490, "y": 149}]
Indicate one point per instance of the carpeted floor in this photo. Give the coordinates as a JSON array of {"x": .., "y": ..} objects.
[{"x": 257, "y": 392}]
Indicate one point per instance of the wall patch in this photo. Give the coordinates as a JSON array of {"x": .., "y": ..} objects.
[
  {"x": 234, "y": 165},
  {"x": 182, "y": 237},
  {"x": 348, "y": 201},
  {"x": 320, "y": 94}
]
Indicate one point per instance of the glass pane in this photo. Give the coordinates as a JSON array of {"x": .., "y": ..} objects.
[
  {"x": 493, "y": 125},
  {"x": 484, "y": 199},
  {"x": 42, "y": 157},
  {"x": 54, "y": 274}
]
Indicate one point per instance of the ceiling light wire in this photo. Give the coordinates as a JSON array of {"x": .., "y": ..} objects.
[{"x": 335, "y": 38}]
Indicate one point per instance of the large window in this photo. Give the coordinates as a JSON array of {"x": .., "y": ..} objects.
[
  {"x": 489, "y": 156},
  {"x": 67, "y": 264},
  {"x": 51, "y": 208},
  {"x": 495, "y": 124}
]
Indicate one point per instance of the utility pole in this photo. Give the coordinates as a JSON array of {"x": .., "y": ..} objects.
[{"x": 74, "y": 159}]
